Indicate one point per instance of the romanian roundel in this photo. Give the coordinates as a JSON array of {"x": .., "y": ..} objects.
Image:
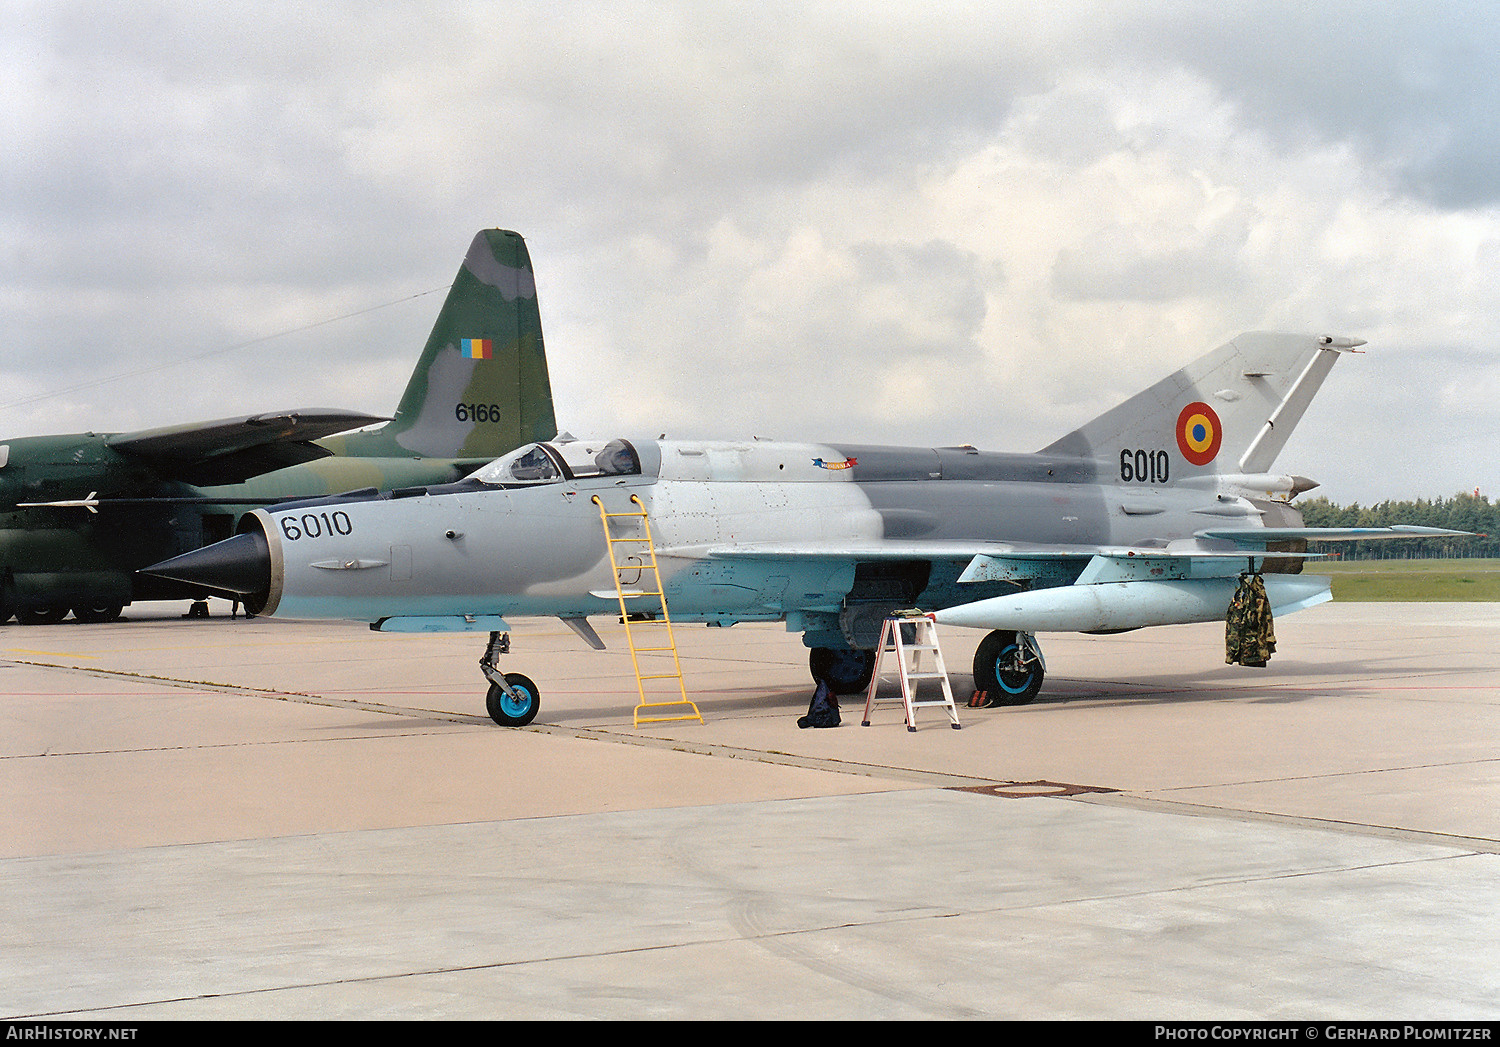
[{"x": 1199, "y": 433}]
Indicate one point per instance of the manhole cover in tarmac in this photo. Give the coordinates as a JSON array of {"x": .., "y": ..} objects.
[{"x": 1021, "y": 790}]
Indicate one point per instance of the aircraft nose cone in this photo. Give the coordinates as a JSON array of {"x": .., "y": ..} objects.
[{"x": 241, "y": 564}]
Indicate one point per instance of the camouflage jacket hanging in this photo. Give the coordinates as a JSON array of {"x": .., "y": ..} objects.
[{"x": 1249, "y": 635}]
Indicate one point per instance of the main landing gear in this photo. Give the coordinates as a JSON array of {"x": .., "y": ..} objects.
[
  {"x": 1009, "y": 667},
  {"x": 513, "y": 700},
  {"x": 98, "y": 612},
  {"x": 86, "y": 613},
  {"x": 846, "y": 671}
]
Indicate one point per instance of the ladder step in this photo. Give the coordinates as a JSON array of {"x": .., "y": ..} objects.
[
  {"x": 647, "y": 563},
  {"x": 923, "y": 633},
  {"x": 694, "y": 715}
]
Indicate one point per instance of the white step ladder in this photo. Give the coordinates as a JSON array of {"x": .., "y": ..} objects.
[{"x": 909, "y": 656}]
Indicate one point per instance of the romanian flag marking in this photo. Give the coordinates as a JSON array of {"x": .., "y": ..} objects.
[{"x": 477, "y": 348}]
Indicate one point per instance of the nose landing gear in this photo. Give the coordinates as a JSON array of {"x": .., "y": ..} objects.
[{"x": 513, "y": 700}]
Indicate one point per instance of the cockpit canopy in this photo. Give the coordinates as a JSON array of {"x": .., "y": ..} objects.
[{"x": 547, "y": 463}]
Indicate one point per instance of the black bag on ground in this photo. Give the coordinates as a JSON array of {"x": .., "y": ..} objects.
[{"x": 823, "y": 710}]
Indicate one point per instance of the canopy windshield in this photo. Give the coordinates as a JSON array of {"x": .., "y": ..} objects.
[{"x": 553, "y": 462}]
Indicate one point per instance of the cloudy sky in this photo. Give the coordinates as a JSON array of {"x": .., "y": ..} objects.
[{"x": 933, "y": 224}]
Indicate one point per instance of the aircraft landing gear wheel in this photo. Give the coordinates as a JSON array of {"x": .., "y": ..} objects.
[
  {"x": 999, "y": 670},
  {"x": 847, "y": 671},
  {"x": 513, "y": 712},
  {"x": 108, "y": 612},
  {"x": 42, "y": 615}
]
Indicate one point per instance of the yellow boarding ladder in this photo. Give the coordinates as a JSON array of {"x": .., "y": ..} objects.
[{"x": 642, "y": 550}]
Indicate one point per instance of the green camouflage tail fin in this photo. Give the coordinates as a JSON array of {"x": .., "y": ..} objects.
[
  {"x": 481, "y": 387},
  {"x": 1228, "y": 412}
]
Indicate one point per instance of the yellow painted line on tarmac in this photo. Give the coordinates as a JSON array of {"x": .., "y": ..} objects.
[{"x": 49, "y": 654}]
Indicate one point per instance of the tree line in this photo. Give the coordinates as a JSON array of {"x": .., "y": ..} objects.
[{"x": 1462, "y": 512}]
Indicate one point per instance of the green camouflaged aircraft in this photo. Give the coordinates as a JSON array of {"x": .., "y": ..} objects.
[{"x": 80, "y": 514}]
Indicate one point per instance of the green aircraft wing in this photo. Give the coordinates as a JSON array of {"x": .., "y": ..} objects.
[{"x": 232, "y": 450}]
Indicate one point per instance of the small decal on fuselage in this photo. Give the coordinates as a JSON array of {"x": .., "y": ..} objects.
[
  {"x": 847, "y": 463},
  {"x": 477, "y": 348}
]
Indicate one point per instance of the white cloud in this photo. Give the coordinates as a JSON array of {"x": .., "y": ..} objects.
[{"x": 968, "y": 222}]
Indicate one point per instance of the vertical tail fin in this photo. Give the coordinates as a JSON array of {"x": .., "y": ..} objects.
[
  {"x": 481, "y": 387},
  {"x": 1228, "y": 412}
]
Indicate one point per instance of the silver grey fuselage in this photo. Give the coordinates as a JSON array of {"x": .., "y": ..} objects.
[{"x": 744, "y": 531}]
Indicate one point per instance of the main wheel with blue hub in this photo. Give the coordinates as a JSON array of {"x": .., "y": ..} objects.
[
  {"x": 1007, "y": 672},
  {"x": 513, "y": 711}
]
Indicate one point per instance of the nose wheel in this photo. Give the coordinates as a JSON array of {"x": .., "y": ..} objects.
[
  {"x": 512, "y": 700},
  {"x": 514, "y": 705}
]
